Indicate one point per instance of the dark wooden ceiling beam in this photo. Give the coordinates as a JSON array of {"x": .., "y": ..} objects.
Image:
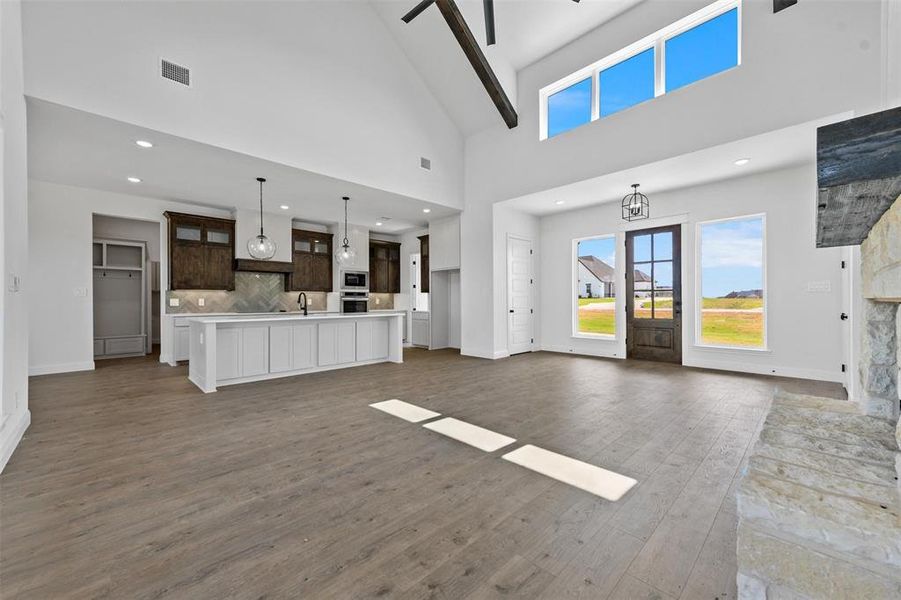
[
  {"x": 454, "y": 18},
  {"x": 779, "y": 5},
  {"x": 416, "y": 10}
]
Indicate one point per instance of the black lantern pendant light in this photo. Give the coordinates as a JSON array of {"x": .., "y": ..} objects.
[
  {"x": 345, "y": 254},
  {"x": 261, "y": 247},
  {"x": 635, "y": 205}
]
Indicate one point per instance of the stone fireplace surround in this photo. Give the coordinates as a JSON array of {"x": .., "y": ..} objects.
[{"x": 819, "y": 504}]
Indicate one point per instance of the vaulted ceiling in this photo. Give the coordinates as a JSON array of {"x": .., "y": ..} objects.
[{"x": 527, "y": 30}]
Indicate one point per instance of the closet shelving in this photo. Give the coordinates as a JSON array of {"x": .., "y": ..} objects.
[{"x": 120, "y": 298}]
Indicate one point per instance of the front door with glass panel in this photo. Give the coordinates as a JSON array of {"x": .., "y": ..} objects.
[{"x": 654, "y": 294}]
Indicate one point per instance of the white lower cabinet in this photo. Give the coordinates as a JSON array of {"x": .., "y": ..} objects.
[
  {"x": 182, "y": 343},
  {"x": 242, "y": 352},
  {"x": 372, "y": 340},
  {"x": 228, "y": 353},
  {"x": 255, "y": 349},
  {"x": 347, "y": 342},
  {"x": 337, "y": 343},
  {"x": 281, "y": 348},
  {"x": 304, "y": 346}
]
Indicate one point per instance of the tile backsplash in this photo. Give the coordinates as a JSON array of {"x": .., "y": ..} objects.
[
  {"x": 381, "y": 301},
  {"x": 254, "y": 292}
]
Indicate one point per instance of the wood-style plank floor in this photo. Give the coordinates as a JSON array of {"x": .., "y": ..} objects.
[{"x": 133, "y": 484}]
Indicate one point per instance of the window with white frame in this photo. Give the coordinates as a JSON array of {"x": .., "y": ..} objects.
[
  {"x": 595, "y": 302},
  {"x": 702, "y": 44},
  {"x": 732, "y": 282}
]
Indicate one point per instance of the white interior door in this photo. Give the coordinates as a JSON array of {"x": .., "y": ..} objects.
[{"x": 519, "y": 295}]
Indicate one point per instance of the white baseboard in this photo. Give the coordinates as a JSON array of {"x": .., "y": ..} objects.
[
  {"x": 11, "y": 432},
  {"x": 60, "y": 368},
  {"x": 601, "y": 353},
  {"x": 775, "y": 371},
  {"x": 478, "y": 353}
]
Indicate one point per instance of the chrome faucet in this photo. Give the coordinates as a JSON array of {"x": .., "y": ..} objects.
[{"x": 302, "y": 301}]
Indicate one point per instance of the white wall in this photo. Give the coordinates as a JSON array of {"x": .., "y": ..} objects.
[
  {"x": 14, "y": 306},
  {"x": 509, "y": 221},
  {"x": 804, "y": 332},
  {"x": 319, "y": 85},
  {"x": 60, "y": 324},
  {"x": 817, "y": 59}
]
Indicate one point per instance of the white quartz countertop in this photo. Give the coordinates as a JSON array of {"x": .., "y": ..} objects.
[{"x": 292, "y": 316}]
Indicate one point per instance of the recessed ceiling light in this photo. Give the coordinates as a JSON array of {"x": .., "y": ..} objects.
[
  {"x": 144, "y": 144},
  {"x": 134, "y": 180},
  {"x": 426, "y": 210},
  {"x": 284, "y": 207},
  {"x": 742, "y": 162},
  {"x": 559, "y": 202},
  {"x": 378, "y": 223}
]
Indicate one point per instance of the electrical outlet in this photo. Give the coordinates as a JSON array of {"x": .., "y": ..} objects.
[
  {"x": 819, "y": 287},
  {"x": 201, "y": 301},
  {"x": 13, "y": 282},
  {"x": 174, "y": 302},
  {"x": 80, "y": 292}
]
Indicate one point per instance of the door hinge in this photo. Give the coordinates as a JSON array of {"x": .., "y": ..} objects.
[
  {"x": 531, "y": 311},
  {"x": 843, "y": 264},
  {"x": 531, "y": 281},
  {"x": 843, "y": 367},
  {"x": 533, "y": 340},
  {"x": 530, "y": 250}
]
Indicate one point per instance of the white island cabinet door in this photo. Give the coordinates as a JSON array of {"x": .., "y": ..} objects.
[
  {"x": 379, "y": 339},
  {"x": 255, "y": 351},
  {"x": 228, "y": 353},
  {"x": 281, "y": 348},
  {"x": 304, "y": 346},
  {"x": 347, "y": 342},
  {"x": 328, "y": 344},
  {"x": 364, "y": 340}
]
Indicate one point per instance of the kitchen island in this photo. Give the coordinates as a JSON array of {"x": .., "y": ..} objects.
[{"x": 230, "y": 350}]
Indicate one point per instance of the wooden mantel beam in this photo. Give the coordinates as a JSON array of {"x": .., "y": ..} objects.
[{"x": 451, "y": 13}]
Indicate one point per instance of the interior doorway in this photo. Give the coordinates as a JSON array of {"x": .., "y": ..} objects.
[
  {"x": 519, "y": 295},
  {"x": 126, "y": 294},
  {"x": 654, "y": 294}
]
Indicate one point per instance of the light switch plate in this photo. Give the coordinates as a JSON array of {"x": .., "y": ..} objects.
[
  {"x": 80, "y": 292},
  {"x": 173, "y": 302},
  {"x": 201, "y": 301}
]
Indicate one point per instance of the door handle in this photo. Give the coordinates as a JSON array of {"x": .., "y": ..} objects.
[
  {"x": 511, "y": 310},
  {"x": 843, "y": 317}
]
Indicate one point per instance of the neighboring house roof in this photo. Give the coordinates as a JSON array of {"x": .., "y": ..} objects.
[
  {"x": 598, "y": 268},
  {"x": 642, "y": 276}
]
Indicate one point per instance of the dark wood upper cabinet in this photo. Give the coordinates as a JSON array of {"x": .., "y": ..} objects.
[
  {"x": 384, "y": 267},
  {"x": 201, "y": 252},
  {"x": 312, "y": 258},
  {"x": 424, "y": 263}
]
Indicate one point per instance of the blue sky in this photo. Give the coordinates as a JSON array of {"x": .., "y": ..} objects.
[
  {"x": 702, "y": 51},
  {"x": 604, "y": 249},
  {"x": 731, "y": 256}
]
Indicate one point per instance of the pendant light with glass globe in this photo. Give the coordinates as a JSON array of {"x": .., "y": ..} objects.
[
  {"x": 261, "y": 247},
  {"x": 345, "y": 255}
]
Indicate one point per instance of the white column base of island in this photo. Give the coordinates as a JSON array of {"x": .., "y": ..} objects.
[{"x": 230, "y": 350}]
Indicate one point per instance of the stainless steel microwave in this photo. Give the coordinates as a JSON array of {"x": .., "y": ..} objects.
[{"x": 355, "y": 280}]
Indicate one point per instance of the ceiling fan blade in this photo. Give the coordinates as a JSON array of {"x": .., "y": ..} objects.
[
  {"x": 414, "y": 12},
  {"x": 489, "y": 21}
]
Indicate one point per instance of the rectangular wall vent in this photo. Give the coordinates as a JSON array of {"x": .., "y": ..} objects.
[
  {"x": 174, "y": 72},
  {"x": 425, "y": 163}
]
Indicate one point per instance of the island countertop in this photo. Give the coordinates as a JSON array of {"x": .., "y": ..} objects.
[{"x": 282, "y": 317}]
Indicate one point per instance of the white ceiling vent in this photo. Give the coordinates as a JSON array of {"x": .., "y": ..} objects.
[
  {"x": 174, "y": 72},
  {"x": 425, "y": 163}
]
